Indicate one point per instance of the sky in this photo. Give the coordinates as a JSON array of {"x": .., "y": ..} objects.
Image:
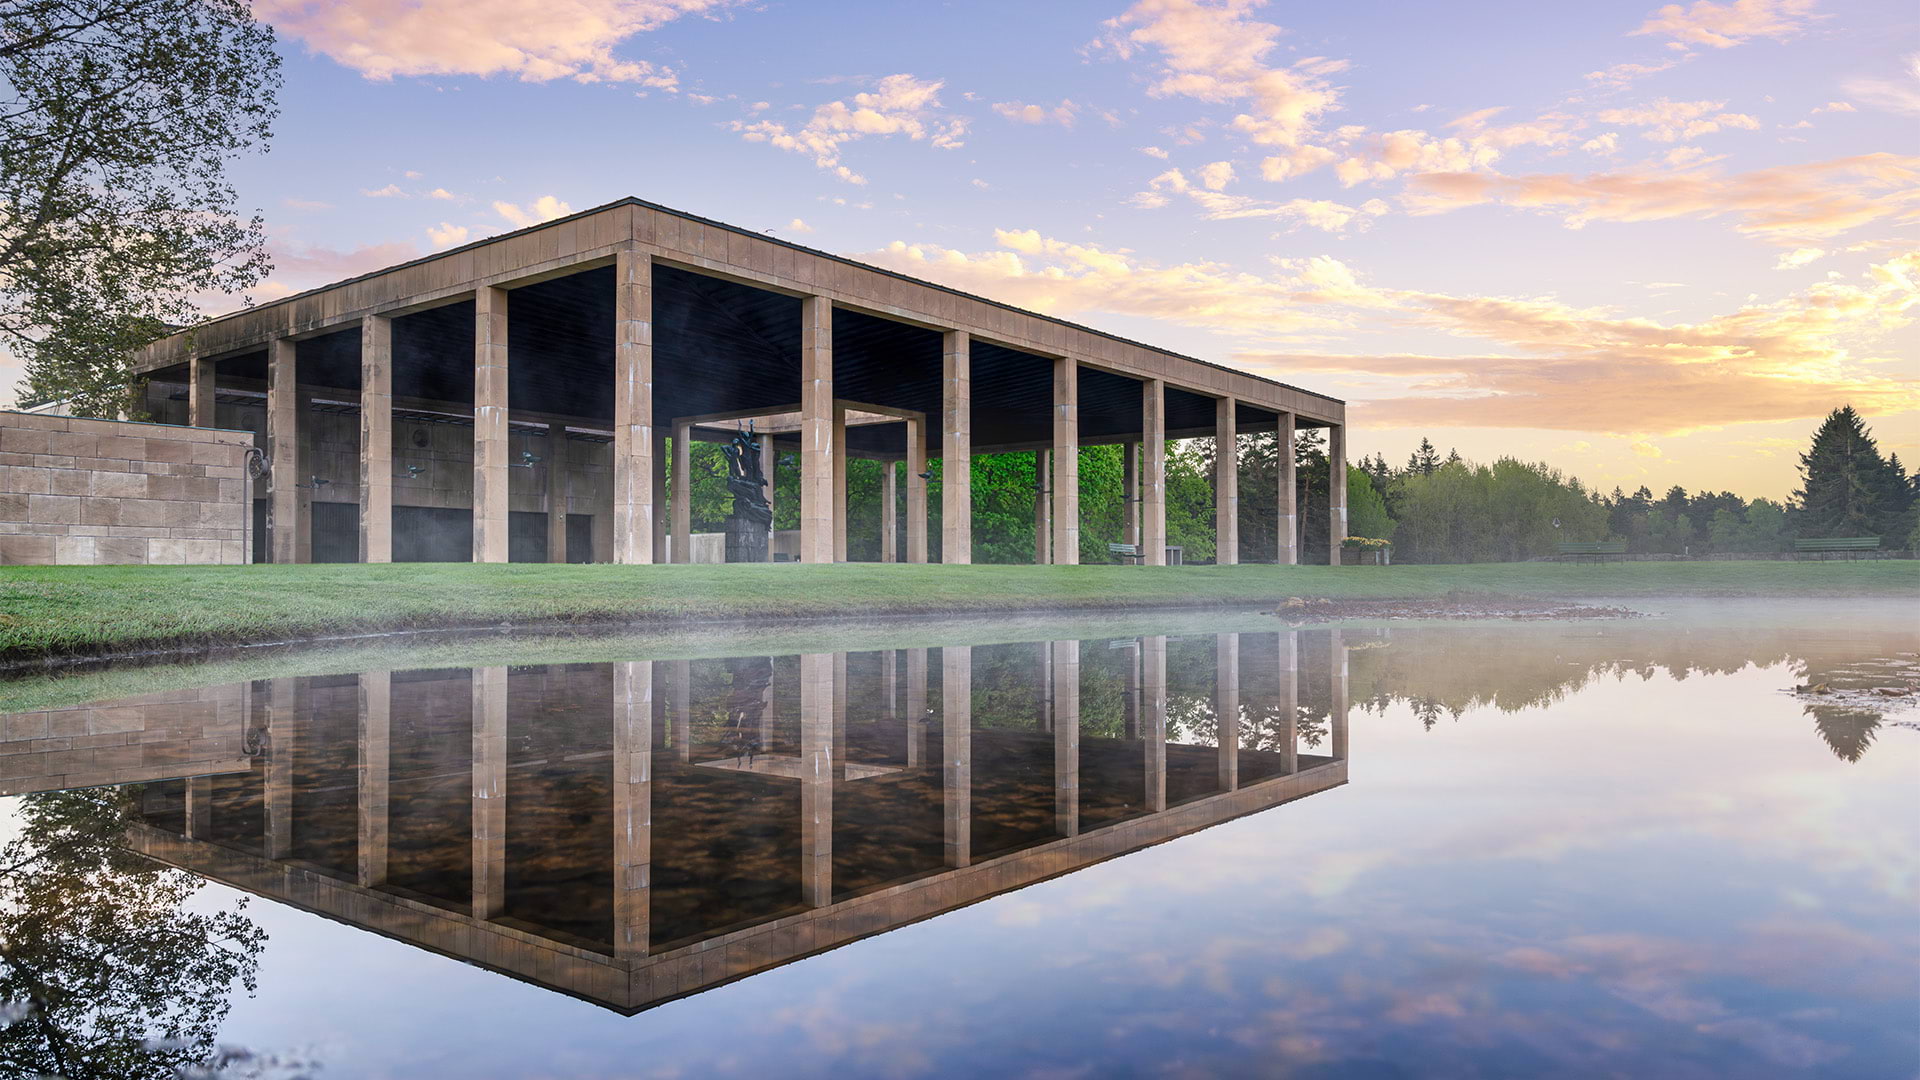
[{"x": 1647, "y": 244}]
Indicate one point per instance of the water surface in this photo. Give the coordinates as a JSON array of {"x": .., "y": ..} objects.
[{"x": 1490, "y": 849}]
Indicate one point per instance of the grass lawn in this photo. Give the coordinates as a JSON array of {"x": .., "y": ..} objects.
[{"x": 66, "y": 610}]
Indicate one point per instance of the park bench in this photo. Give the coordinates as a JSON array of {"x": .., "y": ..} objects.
[
  {"x": 1596, "y": 550},
  {"x": 1843, "y": 545},
  {"x": 1175, "y": 554}
]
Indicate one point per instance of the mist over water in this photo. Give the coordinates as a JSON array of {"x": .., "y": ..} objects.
[{"x": 1590, "y": 847}]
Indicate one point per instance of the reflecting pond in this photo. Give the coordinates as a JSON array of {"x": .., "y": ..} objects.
[{"x": 1201, "y": 846}]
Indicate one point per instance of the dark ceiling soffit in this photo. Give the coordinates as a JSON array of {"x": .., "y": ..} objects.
[{"x": 843, "y": 260}]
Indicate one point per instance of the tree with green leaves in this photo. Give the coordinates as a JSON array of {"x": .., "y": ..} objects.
[
  {"x": 1847, "y": 488},
  {"x": 119, "y": 122},
  {"x": 1425, "y": 459}
]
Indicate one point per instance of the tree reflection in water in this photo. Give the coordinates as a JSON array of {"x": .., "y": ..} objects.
[
  {"x": 1436, "y": 675},
  {"x": 103, "y": 971}
]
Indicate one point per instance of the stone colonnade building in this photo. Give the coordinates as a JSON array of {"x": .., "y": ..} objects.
[{"x": 513, "y": 399}]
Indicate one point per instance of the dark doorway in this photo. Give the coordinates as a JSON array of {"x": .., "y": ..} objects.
[
  {"x": 432, "y": 534},
  {"x": 579, "y": 538},
  {"x": 526, "y": 536},
  {"x": 336, "y": 532}
]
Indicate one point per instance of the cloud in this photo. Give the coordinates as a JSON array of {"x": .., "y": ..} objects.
[
  {"x": 1062, "y": 114},
  {"x": 1643, "y": 448},
  {"x": 447, "y": 234},
  {"x": 1836, "y": 106},
  {"x": 799, "y": 226},
  {"x": 1788, "y": 204},
  {"x": 1217, "y": 205},
  {"x": 1797, "y": 258},
  {"x": 1154, "y": 152},
  {"x": 1671, "y": 121},
  {"x": 305, "y": 204},
  {"x": 1722, "y": 26},
  {"x": 441, "y": 193},
  {"x": 897, "y": 105},
  {"x": 391, "y": 191},
  {"x": 1589, "y": 370},
  {"x": 1602, "y": 144},
  {"x": 1900, "y": 95},
  {"x": 1216, "y": 53},
  {"x": 1072, "y": 280},
  {"x": 532, "y": 40},
  {"x": 295, "y": 269},
  {"x": 1620, "y": 76},
  {"x": 545, "y": 208}
]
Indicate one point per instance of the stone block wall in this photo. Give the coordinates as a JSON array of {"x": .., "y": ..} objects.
[{"x": 88, "y": 492}]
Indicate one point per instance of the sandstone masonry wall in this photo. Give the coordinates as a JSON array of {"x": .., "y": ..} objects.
[{"x": 89, "y": 492}]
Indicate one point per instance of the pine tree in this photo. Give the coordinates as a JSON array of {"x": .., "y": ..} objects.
[
  {"x": 1424, "y": 460},
  {"x": 1845, "y": 484}
]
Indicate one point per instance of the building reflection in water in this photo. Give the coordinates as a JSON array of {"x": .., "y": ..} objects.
[{"x": 634, "y": 832}]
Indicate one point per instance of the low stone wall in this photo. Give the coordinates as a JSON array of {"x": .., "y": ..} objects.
[{"x": 95, "y": 492}]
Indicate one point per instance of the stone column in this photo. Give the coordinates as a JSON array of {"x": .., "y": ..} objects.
[
  {"x": 1336, "y": 491},
  {"x": 376, "y": 439},
  {"x": 199, "y": 807},
  {"x": 816, "y": 430},
  {"x": 1287, "y": 528},
  {"x": 767, "y": 466},
  {"x": 1066, "y": 462},
  {"x": 489, "y": 791},
  {"x": 1289, "y": 659},
  {"x": 376, "y": 708},
  {"x": 1226, "y": 707},
  {"x": 916, "y": 491},
  {"x": 559, "y": 481},
  {"x": 1226, "y": 483},
  {"x": 816, "y": 778},
  {"x": 200, "y": 383},
  {"x": 1153, "y": 718},
  {"x": 636, "y": 503},
  {"x": 890, "y": 511},
  {"x": 632, "y": 806},
  {"x": 682, "y": 709},
  {"x": 1153, "y": 473},
  {"x": 1130, "y": 492},
  {"x": 284, "y": 697},
  {"x": 1066, "y": 737},
  {"x": 1042, "y": 510},
  {"x": 283, "y": 449},
  {"x": 490, "y": 445},
  {"x": 917, "y": 707},
  {"x": 1337, "y": 709},
  {"x": 305, "y": 490},
  {"x": 682, "y": 543},
  {"x": 839, "y": 483},
  {"x": 659, "y": 482},
  {"x": 956, "y": 751},
  {"x": 956, "y": 448}
]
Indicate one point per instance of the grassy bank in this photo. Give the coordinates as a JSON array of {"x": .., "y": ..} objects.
[{"x": 54, "y": 611}]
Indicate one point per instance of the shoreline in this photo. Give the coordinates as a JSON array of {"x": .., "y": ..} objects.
[{"x": 56, "y": 617}]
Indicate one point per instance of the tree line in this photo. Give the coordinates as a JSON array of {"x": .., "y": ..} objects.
[
  {"x": 1434, "y": 509},
  {"x": 1451, "y": 510}
]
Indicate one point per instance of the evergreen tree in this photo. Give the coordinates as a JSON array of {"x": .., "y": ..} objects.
[
  {"x": 1424, "y": 460},
  {"x": 1847, "y": 489}
]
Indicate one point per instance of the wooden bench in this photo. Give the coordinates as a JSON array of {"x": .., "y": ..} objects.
[
  {"x": 1596, "y": 550},
  {"x": 1836, "y": 545}
]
